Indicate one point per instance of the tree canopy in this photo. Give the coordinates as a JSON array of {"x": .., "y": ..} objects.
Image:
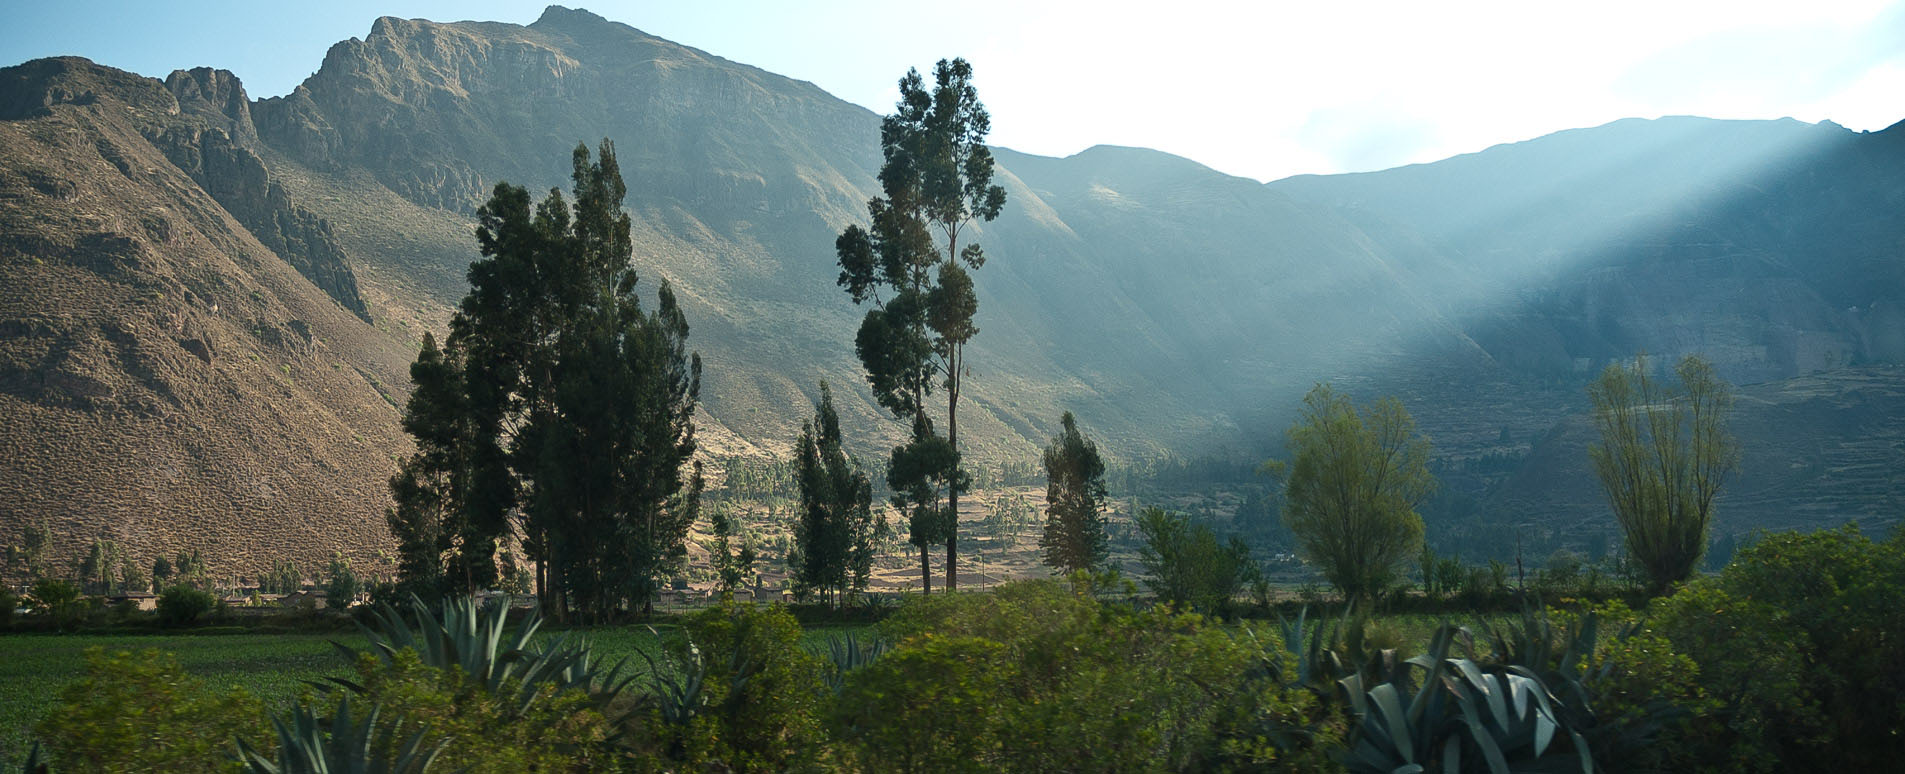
[
  {"x": 836, "y": 531},
  {"x": 1074, "y": 536},
  {"x": 1351, "y": 487},
  {"x": 557, "y": 406},
  {"x": 910, "y": 264},
  {"x": 1663, "y": 455}
]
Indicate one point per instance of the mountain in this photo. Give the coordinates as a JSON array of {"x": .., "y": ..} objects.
[
  {"x": 182, "y": 360},
  {"x": 210, "y": 301},
  {"x": 1772, "y": 247}
]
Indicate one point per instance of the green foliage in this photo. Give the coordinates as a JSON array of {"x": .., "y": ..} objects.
[
  {"x": 9, "y": 605},
  {"x": 184, "y": 605},
  {"x": 140, "y": 712},
  {"x": 1185, "y": 565},
  {"x": 930, "y": 706},
  {"x": 1663, "y": 455},
  {"x": 1799, "y": 640},
  {"x": 935, "y": 181},
  {"x": 1456, "y": 716},
  {"x": 28, "y": 557},
  {"x": 752, "y": 702},
  {"x": 161, "y": 572},
  {"x": 510, "y": 720},
  {"x": 284, "y": 578},
  {"x": 479, "y": 643},
  {"x": 1074, "y": 536},
  {"x": 734, "y": 568},
  {"x": 1057, "y": 691},
  {"x": 555, "y": 384},
  {"x": 342, "y": 588},
  {"x": 59, "y": 601},
  {"x": 836, "y": 531},
  {"x": 346, "y": 741},
  {"x": 102, "y": 571},
  {"x": 1351, "y": 488}
]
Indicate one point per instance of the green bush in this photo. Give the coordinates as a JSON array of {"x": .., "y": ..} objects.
[
  {"x": 343, "y": 586},
  {"x": 59, "y": 601},
  {"x": 480, "y": 729},
  {"x": 142, "y": 712},
  {"x": 1091, "y": 686},
  {"x": 9, "y": 604},
  {"x": 1799, "y": 639},
  {"x": 927, "y": 707},
  {"x": 1185, "y": 565},
  {"x": 183, "y": 605},
  {"x": 757, "y": 703}
]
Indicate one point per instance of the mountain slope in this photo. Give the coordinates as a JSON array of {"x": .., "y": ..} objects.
[
  {"x": 168, "y": 381},
  {"x": 210, "y": 301},
  {"x": 739, "y": 181}
]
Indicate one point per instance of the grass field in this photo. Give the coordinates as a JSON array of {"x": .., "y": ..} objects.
[{"x": 273, "y": 667}]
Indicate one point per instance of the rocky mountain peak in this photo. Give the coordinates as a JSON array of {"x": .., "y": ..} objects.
[
  {"x": 217, "y": 92},
  {"x": 33, "y": 88}
]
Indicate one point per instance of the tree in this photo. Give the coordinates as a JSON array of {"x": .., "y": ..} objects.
[
  {"x": 935, "y": 182},
  {"x": 557, "y": 403},
  {"x": 1074, "y": 536},
  {"x": 1184, "y": 563},
  {"x": 29, "y": 557},
  {"x": 733, "y": 567},
  {"x": 835, "y": 534},
  {"x": 342, "y": 589},
  {"x": 1663, "y": 455},
  {"x": 1351, "y": 488}
]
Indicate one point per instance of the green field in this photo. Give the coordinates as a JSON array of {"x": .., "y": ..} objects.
[{"x": 274, "y": 667}]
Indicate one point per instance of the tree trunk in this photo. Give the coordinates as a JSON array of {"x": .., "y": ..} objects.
[
  {"x": 925, "y": 571},
  {"x": 952, "y": 492}
]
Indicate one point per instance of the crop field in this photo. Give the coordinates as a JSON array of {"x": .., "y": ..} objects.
[{"x": 273, "y": 667}]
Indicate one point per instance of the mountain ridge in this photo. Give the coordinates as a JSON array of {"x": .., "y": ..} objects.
[{"x": 1170, "y": 306}]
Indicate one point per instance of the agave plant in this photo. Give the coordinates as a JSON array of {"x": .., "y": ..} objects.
[
  {"x": 848, "y": 653},
  {"x": 1455, "y": 717},
  {"x": 1565, "y": 659},
  {"x": 1334, "y": 650},
  {"x": 676, "y": 685},
  {"x": 478, "y": 640},
  {"x": 354, "y": 744}
]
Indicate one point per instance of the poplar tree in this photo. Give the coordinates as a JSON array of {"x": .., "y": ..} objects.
[
  {"x": 1074, "y": 536},
  {"x": 1663, "y": 455},
  {"x": 912, "y": 266}
]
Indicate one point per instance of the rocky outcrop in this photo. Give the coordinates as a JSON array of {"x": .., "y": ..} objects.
[{"x": 217, "y": 151}]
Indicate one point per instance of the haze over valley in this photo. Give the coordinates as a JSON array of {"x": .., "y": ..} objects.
[{"x": 209, "y": 303}]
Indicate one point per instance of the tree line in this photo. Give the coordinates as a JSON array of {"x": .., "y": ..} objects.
[{"x": 555, "y": 420}]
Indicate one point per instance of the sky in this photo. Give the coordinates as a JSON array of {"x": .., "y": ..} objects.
[{"x": 1257, "y": 89}]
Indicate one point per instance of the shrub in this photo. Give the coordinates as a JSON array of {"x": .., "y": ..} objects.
[
  {"x": 1071, "y": 701},
  {"x": 757, "y": 706},
  {"x": 926, "y": 706},
  {"x": 1799, "y": 639},
  {"x": 1185, "y": 565},
  {"x": 59, "y": 601},
  {"x": 142, "y": 712},
  {"x": 483, "y": 729},
  {"x": 9, "y": 604},
  {"x": 183, "y": 605}
]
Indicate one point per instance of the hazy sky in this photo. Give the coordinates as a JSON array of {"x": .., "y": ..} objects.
[{"x": 1260, "y": 89}]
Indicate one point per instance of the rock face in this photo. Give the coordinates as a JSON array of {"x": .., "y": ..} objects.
[
  {"x": 217, "y": 148},
  {"x": 169, "y": 379}
]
